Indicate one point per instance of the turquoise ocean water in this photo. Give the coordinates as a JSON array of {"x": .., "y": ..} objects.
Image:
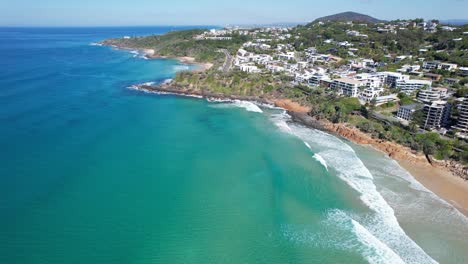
[{"x": 94, "y": 172}]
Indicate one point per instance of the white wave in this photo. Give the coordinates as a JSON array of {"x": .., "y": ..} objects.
[
  {"x": 340, "y": 156},
  {"x": 374, "y": 250},
  {"x": 218, "y": 100},
  {"x": 249, "y": 106},
  {"x": 321, "y": 160},
  {"x": 280, "y": 120},
  {"x": 95, "y": 44}
]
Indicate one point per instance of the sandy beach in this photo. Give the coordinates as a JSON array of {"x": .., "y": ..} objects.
[{"x": 443, "y": 183}]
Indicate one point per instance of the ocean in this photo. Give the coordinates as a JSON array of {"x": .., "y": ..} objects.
[{"x": 94, "y": 172}]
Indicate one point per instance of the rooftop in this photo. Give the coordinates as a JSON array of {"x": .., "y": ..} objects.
[{"x": 347, "y": 80}]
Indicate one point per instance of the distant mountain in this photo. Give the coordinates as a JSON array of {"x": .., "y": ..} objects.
[
  {"x": 349, "y": 16},
  {"x": 456, "y": 22}
]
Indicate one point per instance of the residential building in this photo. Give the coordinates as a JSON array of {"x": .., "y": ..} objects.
[
  {"x": 380, "y": 100},
  {"x": 431, "y": 65},
  {"x": 287, "y": 56},
  {"x": 436, "y": 114},
  {"x": 433, "y": 76},
  {"x": 370, "y": 80},
  {"x": 463, "y": 71},
  {"x": 448, "y": 66},
  {"x": 431, "y": 94},
  {"x": 249, "y": 68},
  {"x": 274, "y": 68},
  {"x": 406, "y": 112},
  {"x": 410, "y": 86},
  {"x": 346, "y": 86},
  {"x": 370, "y": 93},
  {"x": 316, "y": 79},
  {"x": 392, "y": 78},
  {"x": 303, "y": 78},
  {"x": 462, "y": 122}
]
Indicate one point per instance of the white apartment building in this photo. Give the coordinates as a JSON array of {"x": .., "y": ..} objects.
[
  {"x": 370, "y": 93},
  {"x": 315, "y": 79},
  {"x": 347, "y": 87},
  {"x": 464, "y": 71},
  {"x": 410, "y": 86},
  {"x": 409, "y": 68},
  {"x": 436, "y": 114},
  {"x": 303, "y": 78},
  {"x": 448, "y": 66},
  {"x": 462, "y": 122},
  {"x": 391, "y": 78},
  {"x": 261, "y": 58},
  {"x": 432, "y": 94},
  {"x": 249, "y": 68},
  {"x": 287, "y": 56},
  {"x": 370, "y": 80},
  {"x": 274, "y": 68}
]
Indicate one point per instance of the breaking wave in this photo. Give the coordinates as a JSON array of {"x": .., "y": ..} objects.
[
  {"x": 249, "y": 106},
  {"x": 381, "y": 228},
  {"x": 321, "y": 160}
]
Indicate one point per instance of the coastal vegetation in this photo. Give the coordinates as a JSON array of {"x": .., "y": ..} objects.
[{"x": 182, "y": 44}]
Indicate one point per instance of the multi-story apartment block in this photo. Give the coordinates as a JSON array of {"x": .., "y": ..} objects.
[
  {"x": 462, "y": 122},
  {"x": 346, "y": 86},
  {"x": 410, "y": 86},
  {"x": 436, "y": 114}
]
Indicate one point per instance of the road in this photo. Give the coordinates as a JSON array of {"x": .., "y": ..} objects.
[{"x": 228, "y": 62}]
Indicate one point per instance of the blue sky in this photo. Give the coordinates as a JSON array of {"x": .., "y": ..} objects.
[{"x": 211, "y": 12}]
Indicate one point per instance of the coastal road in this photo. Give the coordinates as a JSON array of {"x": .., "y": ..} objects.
[{"x": 228, "y": 62}]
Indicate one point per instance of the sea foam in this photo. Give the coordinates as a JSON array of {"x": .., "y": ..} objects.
[
  {"x": 341, "y": 157},
  {"x": 249, "y": 106},
  {"x": 321, "y": 160}
]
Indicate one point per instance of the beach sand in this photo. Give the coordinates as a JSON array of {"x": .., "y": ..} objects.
[{"x": 441, "y": 182}]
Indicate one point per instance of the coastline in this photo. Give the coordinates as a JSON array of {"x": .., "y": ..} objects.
[
  {"x": 441, "y": 182},
  {"x": 438, "y": 177},
  {"x": 151, "y": 54},
  {"x": 201, "y": 66}
]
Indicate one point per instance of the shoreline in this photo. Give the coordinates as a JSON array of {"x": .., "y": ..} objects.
[
  {"x": 437, "y": 178},
  {"x": 151, "y": 55}
]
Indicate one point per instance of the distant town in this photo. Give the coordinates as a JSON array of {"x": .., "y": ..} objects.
[{"x": 428, "y": 82}]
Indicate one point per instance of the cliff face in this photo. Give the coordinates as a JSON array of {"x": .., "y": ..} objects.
[{"x": 395, "y": 151}]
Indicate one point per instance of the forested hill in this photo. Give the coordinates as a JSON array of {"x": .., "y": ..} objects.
[
  {"x": 181, "y": 43},
  {"x": 349, "y": 16}
]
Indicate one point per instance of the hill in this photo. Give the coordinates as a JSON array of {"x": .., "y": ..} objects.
[
  {"x": 349, "y": 16},
  {"x": 455, "y": 22}
]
